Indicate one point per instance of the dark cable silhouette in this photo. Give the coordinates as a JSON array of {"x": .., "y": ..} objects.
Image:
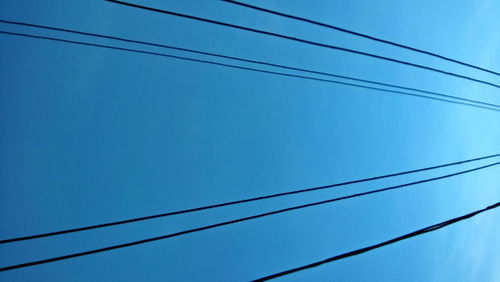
[
  {"x": 247, "y": 60},
  {"x": 379, "y": 245},
  {"x": 250, "y": 69},
  {"x": 107, "y": 224},
  {"x": 105, "y": 249},
  {"x": 102, "y": 225},
  {"x": 360, "y": 35},
  {"x": 305, "y": 41}
]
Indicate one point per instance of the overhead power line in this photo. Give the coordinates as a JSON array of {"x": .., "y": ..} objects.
[
  {"x": 253, "y": 199},
  {"x": 360, "y": 35},
  {"x": 305, "y": 41},
  {"x": 148, "y": 240},
  {"x": 247, "y": 61},
  {"x": 492, "y": 107},
  {"x": 379, "y": 245}
]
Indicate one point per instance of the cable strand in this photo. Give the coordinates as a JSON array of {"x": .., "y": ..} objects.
[
  {"x": 105, "y": 249},
  {"x": 250, "y": 69},
  {"x": 370, "y": 37},
  {"x": 379, "y": 245},
  {"x": 265, "y": 63},
  {"x": 309, "y": 42}
]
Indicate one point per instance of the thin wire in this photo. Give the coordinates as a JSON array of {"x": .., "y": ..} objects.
[
  {"x": 245, "y": 68},
  {"x": 379, "y": 245},
  {"x": 246, "y": 60},
  {"x": 360, "y": 35},
  {"x": 238, "y": 201},
  {"x": 105, "y": 249},
  {"x": 305, "y": 41},
  {"x": 269, "y": 196}
]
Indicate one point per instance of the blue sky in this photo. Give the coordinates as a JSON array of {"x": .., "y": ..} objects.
[{"x": 94, "y": 135}]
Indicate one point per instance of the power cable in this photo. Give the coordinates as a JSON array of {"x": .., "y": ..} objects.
[
  {"x": 359, "y": 34},
  {"x": 128, "y": 40},
  {"x": 379, "y": 245},
  {"x": 148, "y": 240},
  {"x": 253, "y": 199},
  {"x": 304, "y": 41},
  {"x": 250, "y": 69}
]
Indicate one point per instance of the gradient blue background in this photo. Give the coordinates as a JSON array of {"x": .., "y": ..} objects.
[{"x": 92, "y": 135}]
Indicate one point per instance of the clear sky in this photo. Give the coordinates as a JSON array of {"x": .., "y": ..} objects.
[{"x": 92, "y": 135}]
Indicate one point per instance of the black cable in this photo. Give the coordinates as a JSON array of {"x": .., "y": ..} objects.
[
  {"x": 89, "y": 227},
  {"x": 248, "y": 69},
  {"x": 105, "y": 249},
  {"x": 305, "y": 41},
  {"x": 246, "y": 60},
  {"x": 113, "y": 223},
  {"x": 360, "y": 35},
  {"x": 376, "y": 246}
]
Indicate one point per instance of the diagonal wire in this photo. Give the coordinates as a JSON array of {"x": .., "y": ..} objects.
[
  {"x": 263, "y": 197},
  {"x": 245, "y": 60},
  {"x": 102, "y": 225},
  {"x": 139, "y": 242},
  {"x": 250, "y": 69},
  {"x": 379, "y": 245},
  {"x": 288, "y": 37},
  {"x": 359, "y": 34}
]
